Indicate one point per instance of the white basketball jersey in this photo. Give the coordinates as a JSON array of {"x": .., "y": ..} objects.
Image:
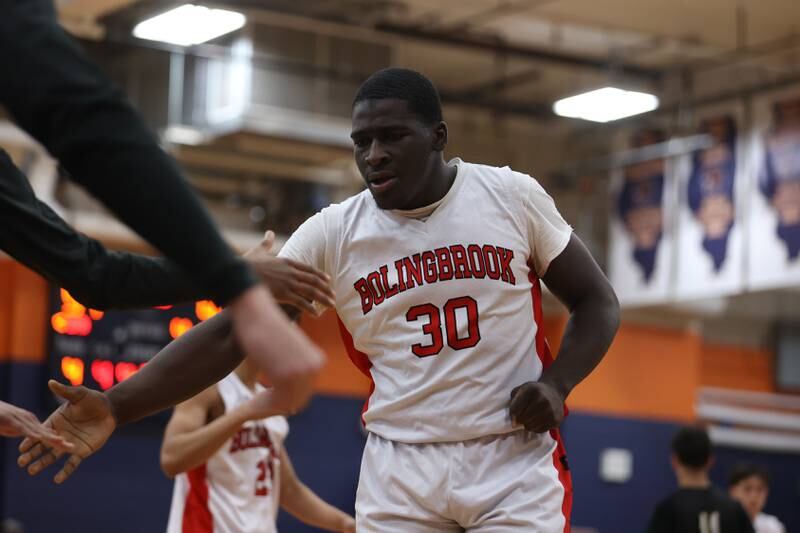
[
  {"x": 441, "y": 313},
  {"x": 237, "y": 490}
]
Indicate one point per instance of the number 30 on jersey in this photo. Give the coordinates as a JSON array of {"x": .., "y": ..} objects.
[{"x": 433, "y": 327}]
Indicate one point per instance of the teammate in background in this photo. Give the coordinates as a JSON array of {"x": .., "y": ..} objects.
[
  {"x": 696, "y": 507},
  {"x": 749, "y": 485},
  {"x": 225, "y": 449},
  {"x": 436, "y": 270}
]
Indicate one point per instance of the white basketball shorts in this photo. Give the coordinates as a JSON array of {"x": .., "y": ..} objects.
[{"x": 501, "y": 483}]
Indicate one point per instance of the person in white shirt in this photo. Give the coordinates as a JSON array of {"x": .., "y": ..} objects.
[
  {"x": 749, "y": 485},
  {"x": 437, "y": 269}
]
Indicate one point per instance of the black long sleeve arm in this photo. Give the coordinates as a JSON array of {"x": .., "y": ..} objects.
[
  {"x": 37, "y": 237},
  {"x": 58, "y": 96}
]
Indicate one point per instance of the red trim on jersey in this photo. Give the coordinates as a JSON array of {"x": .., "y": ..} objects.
[
  {"x": 542, "y": 346},
  {"x": 546, "y": 357},
  {"x": 196, "y": 513},
  {"x": 359, "y": 359}
]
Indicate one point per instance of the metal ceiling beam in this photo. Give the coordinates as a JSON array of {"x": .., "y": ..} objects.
[
  {"x": 497, "y": 46},
  {"x": 497, "y": 85},
  {"x": 492, "y": 45},
  {"x": 503, "y": 9},
  {"x": 535, "y": 110}
]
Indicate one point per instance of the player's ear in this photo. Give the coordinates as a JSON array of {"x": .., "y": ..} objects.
[
  {"x": 673, "y": 460},
  {"x": 439, "y": 136}
]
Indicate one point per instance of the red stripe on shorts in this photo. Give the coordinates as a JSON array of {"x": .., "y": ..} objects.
[
  {"x": 546, "y": 357},
  {"x": 359, "y": 359},
  {"x": 196, "y": 513},
  {"x": 564, "y": 476}
]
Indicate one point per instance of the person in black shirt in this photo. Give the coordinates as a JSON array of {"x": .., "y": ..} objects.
[
  {"x": 696, "y": 507},
  {"x": 57, "y": 95},
  {"x": 37, "y": 237}
]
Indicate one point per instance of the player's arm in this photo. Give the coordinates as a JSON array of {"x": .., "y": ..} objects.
[
  {"x": 184, "y": 446},
  {"x": 561, "y": 260},
  {"x": 185, "y": 367},
  {"x": 190, "y": 439},
  {"x": 73, "y": 109},
  {"x": 40, "y": 239},
  {"x": 577, "y": 281},
  {"x": 188, "y": 365},
  {"x": 37, "y": 237},
  {"x": 302, "y": 503}
]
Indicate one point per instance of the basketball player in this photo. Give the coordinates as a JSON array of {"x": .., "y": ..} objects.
[
  {"x": 696, "y": 507},
  {"x": 225, "y": 450},
  {"x": 56, "y": 94},
  {"x": 436, "y": 269}
]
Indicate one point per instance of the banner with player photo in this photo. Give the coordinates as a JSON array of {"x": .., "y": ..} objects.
[
  {"x": 640, "y": 240},
  {"x": 710, "y": 231},
  {"x": 774, "y": 197}
]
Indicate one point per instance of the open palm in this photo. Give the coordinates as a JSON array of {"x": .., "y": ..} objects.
[{"x": 85, "y": 420}]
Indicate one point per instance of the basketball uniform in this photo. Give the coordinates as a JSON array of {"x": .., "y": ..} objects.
[
  {"x": 441, "y": 309},
  {"x": 236, "y": 490}
]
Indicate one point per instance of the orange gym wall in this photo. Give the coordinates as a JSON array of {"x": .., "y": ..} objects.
[
  {"x": 23, "y": 313},
  {"x": 649, "y": 372}
]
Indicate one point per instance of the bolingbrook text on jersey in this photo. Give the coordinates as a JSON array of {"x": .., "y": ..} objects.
[
  {"x": 441, "y": 264},
  {"x": 251, "y": 437}
]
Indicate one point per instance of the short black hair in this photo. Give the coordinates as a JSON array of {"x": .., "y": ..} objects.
[
  {"x": 407, "y": 85},
  {"x": 692, "y": 447},
  {"x": 742, "y": 471}
]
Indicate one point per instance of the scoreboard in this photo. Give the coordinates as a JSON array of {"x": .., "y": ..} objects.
[{"x": 98, "y": 349}]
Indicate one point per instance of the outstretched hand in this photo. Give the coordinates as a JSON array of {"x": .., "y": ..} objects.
[
  {"x": 85, "y": 421},
  {"x": 16, "y": 422},
  {"x": 290, "y": 282}
]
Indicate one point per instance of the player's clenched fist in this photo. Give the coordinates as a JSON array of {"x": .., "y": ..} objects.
[{"x": 537, "y": 406}]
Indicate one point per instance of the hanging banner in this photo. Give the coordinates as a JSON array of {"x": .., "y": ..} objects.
[
  {"x": 640, "y": 240},
  {"x": 774, "y": 221},
  {"x": 709, "y": 251}
]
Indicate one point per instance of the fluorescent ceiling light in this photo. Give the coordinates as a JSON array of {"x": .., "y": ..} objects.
[
  {"x": 189, "y": 24},
  {"x": 606, "y": 104}
]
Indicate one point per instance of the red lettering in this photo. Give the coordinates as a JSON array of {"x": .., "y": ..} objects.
[
  {"x": 413, "y": 271},
  {"x": 445, "y": 264},
  {"x": 429, "y": 266},
  {"x": 475, "y": 257},
  {"x": 491, "y": 261},
  {"x": 363, "y": 291},
  {"x": 506, "y": 256},
  {"x": 376, "y": 288},
  {"x": 398, "y": 266},
  {"x": 460, "y": 266},
  {"x": 390, "y": 291}
]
